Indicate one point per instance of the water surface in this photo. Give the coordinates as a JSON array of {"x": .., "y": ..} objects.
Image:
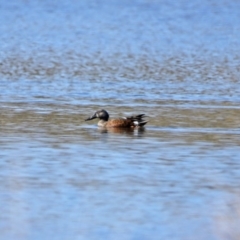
[{"x": 64, "y": 178}]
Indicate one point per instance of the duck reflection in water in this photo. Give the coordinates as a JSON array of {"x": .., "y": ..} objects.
[{"x": 126, "y": 131}]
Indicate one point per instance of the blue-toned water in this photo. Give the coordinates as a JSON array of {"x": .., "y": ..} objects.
[{"x": 63, "y": 178}]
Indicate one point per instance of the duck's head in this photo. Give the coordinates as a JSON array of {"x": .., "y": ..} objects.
[{"x": 101, "y": 114}]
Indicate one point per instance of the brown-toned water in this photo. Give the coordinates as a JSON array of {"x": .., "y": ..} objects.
[{"x": 64, "y": 178}]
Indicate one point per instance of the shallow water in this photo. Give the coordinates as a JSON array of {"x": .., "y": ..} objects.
[{"x": 64, "y": 178}]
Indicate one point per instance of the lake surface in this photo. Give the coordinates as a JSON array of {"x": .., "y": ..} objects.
[{"x": 64, "y": 178}]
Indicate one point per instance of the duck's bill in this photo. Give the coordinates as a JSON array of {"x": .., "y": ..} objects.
[{"x": 90, "y": 118}]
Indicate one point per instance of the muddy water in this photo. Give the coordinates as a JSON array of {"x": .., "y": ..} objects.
[{"x": 62, "y": 177}]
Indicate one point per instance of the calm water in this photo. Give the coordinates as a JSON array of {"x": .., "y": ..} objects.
[{"x": 62, "y": 177}]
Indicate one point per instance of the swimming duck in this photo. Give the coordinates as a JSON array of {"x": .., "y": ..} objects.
[{"x": 126, "y": 122}]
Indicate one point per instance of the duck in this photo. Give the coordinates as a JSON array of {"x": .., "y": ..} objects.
[{"x": 125, "y": 122}]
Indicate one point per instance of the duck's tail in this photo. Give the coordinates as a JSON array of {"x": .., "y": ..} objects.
[{"x": 138, "y": 120}]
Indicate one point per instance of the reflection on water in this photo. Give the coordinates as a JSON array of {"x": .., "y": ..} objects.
[
  {"x": 124, "y": 131},
  {"x": 64, "y": 178}
]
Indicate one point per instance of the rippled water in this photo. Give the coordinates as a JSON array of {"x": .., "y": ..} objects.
[{"x": 177, "y": 62}]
